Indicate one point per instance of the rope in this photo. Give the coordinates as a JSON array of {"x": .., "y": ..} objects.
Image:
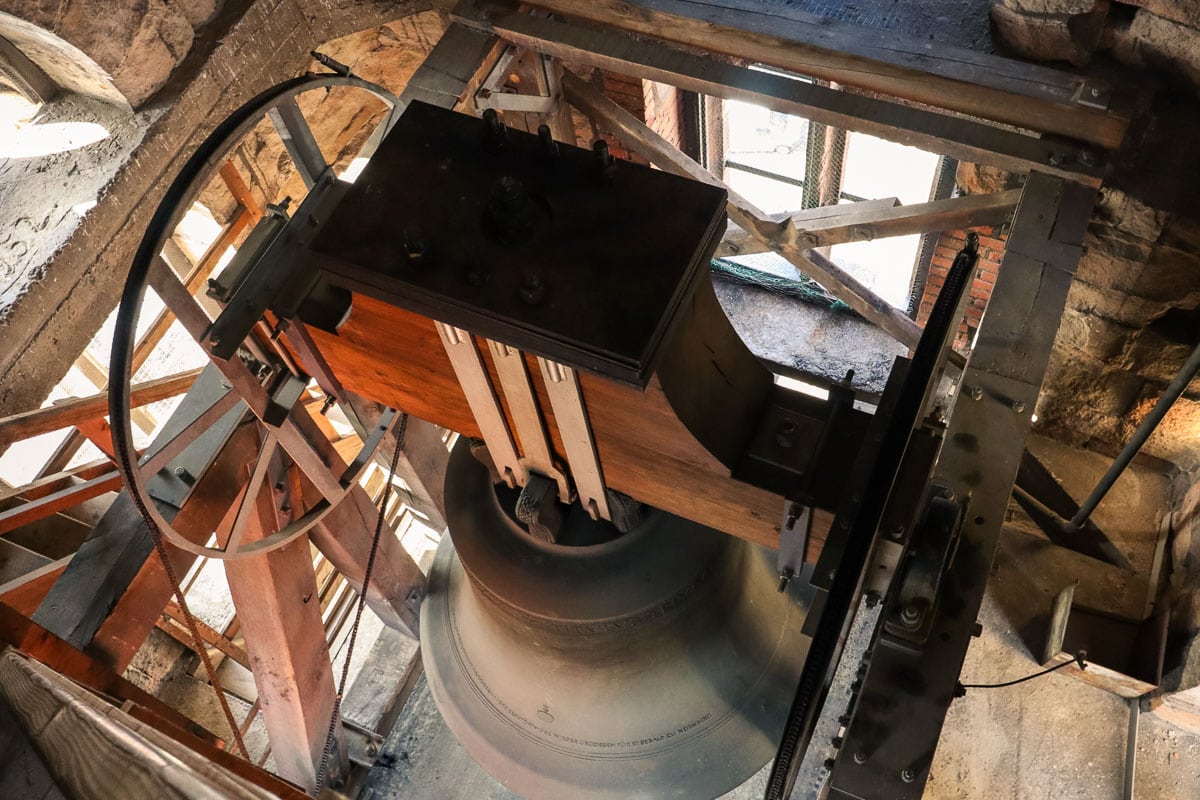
[
  {"x": 801, "y": 287},
  {"x": 335, "y": 715}
]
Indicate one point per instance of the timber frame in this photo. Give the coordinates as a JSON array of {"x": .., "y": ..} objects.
[{"x": 970, "y": 106}]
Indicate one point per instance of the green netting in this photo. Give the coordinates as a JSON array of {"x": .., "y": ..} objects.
[{"x": 801, "y": 287}]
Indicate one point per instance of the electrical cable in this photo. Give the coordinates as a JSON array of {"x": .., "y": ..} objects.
[
  {"x": 1078, "y": 660},
  {"x": 335, "y": 715}
]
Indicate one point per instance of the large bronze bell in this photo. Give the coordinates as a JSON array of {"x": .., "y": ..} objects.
[{"x": 657, "y": 664}]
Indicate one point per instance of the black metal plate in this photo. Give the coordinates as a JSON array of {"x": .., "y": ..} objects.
[{"x": 616, "y": 255}]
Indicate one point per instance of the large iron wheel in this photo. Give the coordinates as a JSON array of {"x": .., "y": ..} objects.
[{"x": 288, "y": 443}]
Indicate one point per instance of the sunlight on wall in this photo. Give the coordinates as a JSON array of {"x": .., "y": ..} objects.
[{"x": 22, "y": 137}]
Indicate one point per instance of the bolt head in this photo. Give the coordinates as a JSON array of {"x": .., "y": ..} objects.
[
  {"x": 907, "y": 775},
  {"x": 860, "y": 757}
]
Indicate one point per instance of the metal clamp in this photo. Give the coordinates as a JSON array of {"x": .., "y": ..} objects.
[
  {"x": 481, "y": 397},
  {"x": 562, "y": 385},
  {"x": 491, "y": 92},
  {"x": 793, "y": 541},
  {"x": 527, "y": 417}
]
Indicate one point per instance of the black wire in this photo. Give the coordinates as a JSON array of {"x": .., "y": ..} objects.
[{"x": 1077, "y": 660}]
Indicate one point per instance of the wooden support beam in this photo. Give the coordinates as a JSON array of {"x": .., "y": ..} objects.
[
  {"x": 779, "y": 237},
  {"x": 66, "y": 413},
  {"x": 173, "y": 624},
  {"x": 957, "y": 79},
  {"x": 58, "y": 481},
  {"x": 26, "y": 593},
  {"x": 108, "y": 560},
  {"x": 116, "y": 636},
  {"x": 954, "y": 136},
  {"x": 857, "y": 222},
  {"x": 58, "y": 501},
  {"x": 275, "y": 595},
  {"x": 397, "y": 584}
]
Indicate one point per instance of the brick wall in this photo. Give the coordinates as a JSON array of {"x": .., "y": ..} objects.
[
  {"x": 662, "y": 104},
  {"x": 622, "y": 90},
  {"x": 991, "y": 250}
]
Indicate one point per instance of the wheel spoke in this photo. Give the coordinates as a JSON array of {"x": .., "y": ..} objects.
[
  {"x": 249, "y": 501},
  {"x": 298, "y": 138},
  {"x": 153, "y": 462},
  {"x": 310, "y": 461}
]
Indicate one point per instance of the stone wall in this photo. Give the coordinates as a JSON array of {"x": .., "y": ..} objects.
[{"x": 260, "y": 44}]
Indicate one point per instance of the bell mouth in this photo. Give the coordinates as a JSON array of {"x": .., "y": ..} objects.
[{"x": 642, "y": 574}]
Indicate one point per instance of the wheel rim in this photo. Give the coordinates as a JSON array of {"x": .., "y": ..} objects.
[{"x": 245, "y": 392}]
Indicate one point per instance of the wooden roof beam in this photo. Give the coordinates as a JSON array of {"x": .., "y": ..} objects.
[
  {"x": 945, "y": 134},
  {"x": 860, "y": 222},
  {"x": 962, "y": 80}
]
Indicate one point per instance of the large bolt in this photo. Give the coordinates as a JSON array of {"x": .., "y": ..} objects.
[
  {"x": 785, "y": 434},
  {"x": 495, "y": 134},
  {"x": 546, "y": 138},
  {"x": 910, "y": 615},
  {"x": 604, "y": 160},
  {"x": 907, "y": 775}
]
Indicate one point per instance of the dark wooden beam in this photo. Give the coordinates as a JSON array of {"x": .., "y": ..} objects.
[{"x": 981, "y": 85}]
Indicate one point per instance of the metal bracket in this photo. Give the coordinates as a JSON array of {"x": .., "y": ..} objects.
[
  {"x": 930, "y": 552},
  {"x": 363, "y": 745},
  {"x": 481, "y": 397},
  {"x": 491, "y": 93},
  {"x": 793, "y": 541},
  {"x": 562, "y": 385}
]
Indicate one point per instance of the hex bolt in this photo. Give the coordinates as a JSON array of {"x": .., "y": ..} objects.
[
  {"x": 976, "y": 393},
  {"x": 907, "y": 775},
  {"x": 828, "y": 765},
  {"x": 910, "y": 615},
  {"x": 546, "y": 139},
  {"x": 785, "y": 434},
  {"x": 844, "y": 720},
  {"x": 414, "y": 245},
  {"x": 495, "y": 134},
  {"x": 181, "y": 472},
  {"x": 785, "y": 576},
  {"x": 860, "y": 757},
  {"x": 1018, "y": 406},
  {"x": 604, "y": 159},
  {"x": 533, "y": 291}
]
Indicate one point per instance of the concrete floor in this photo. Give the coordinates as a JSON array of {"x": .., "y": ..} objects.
[{"x": 1053, "y": 737}]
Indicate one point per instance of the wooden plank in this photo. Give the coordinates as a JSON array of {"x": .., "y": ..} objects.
[
  {"x": 397, "y": 583},
  {"x": 26, "y": 593},
  {"x": 49, "y": 484},
  {"x": 58, "y": 501},
  {"x": 212, "y": 637},
  {"x": 853, "y": 223},
  {"x": 65, "y": 413},
  {"x": 644, "y": 449},
  {"x": 108, "y": 560},
  {"x": 97, "y": 750},
  {"x": 956, "y": 79},
  {"x": 16, "y": 562},
  {"x": 240, "y": 191},
  {"x": 273, "y": 594},
  {"x": 116, "y": 636},
  {"x": 779, "y": 237},
  {"x": 954, "y": 136}
]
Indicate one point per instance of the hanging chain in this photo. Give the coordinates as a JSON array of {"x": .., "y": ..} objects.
[
  {"x": 335, "y": 715},
  {"x": 197, "y": 642}
]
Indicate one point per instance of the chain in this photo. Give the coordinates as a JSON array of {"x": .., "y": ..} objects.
[
  {"x": 197, "y": 642},
  {"x": 335, "y": 715}
]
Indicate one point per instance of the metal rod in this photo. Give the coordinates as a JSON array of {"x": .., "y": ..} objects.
[
  {"x": 1131, "y": 738},
  {"x": 1176, "y": 388}
]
